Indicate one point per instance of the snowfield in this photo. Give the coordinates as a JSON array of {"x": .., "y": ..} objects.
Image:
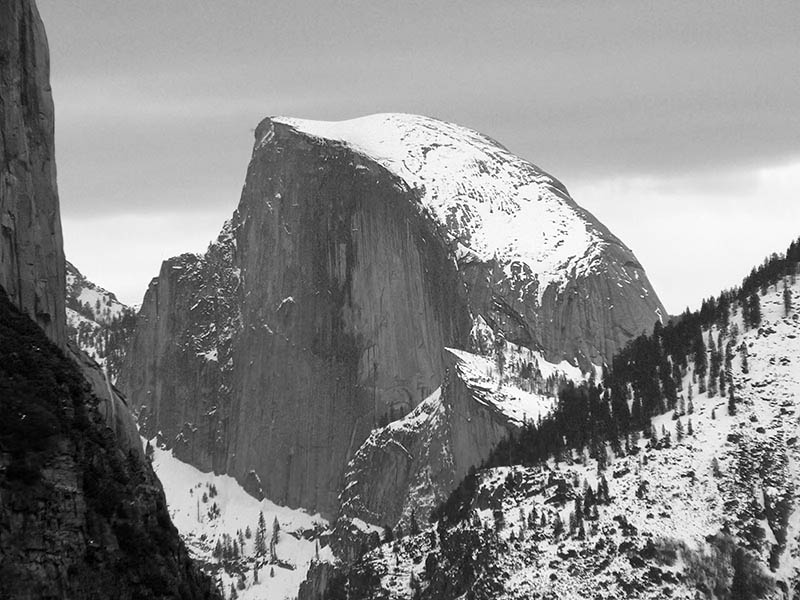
[{"x": 301, "y": 539}]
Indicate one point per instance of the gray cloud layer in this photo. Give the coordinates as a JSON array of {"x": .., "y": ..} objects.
[{"x": 156, "y": 101}]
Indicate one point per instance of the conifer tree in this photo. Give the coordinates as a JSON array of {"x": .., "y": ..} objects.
[
  {"x": 273, "y": 542},
  {"x": 558, "y": 525},
  {"x": 679, "y": 430},
  {"x": 745, "y": 366},
  {"x": 731, "y": 402},
  {"x": 787, "y": 298},
  {"x": 261, "y": 536},
  {"x": 602, "y": 490},
  {"x": 689, "y": 428}
]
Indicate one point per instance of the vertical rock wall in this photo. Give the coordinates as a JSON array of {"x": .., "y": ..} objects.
[
  {"x": 31, "y": 250},
  {"x": 344, "y": 300}
]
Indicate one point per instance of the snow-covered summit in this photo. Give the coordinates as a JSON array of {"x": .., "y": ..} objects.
[{"x": 493, "y": 203}]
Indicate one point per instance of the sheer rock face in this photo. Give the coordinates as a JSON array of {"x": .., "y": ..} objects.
[
  {"x": 324, "y": 306},
  {"x": 327, "y": 302},
  {"x": 31, "y": 250}
]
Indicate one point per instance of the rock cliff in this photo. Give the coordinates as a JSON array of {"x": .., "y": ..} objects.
[
  {"x": 81, "y": 513},
  {"x": 358, "y": 252},
  {"x": 31, "y": 250},
  {"x": 324, "y": 306}
]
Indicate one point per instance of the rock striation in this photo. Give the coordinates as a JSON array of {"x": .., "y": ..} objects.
[
  {"x": 359, "y": 251},
  {"x": 31, "y": 249}
]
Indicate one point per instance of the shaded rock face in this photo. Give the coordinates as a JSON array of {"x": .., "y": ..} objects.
[
  {"x": 82, "y": 514},
  {"x": 31, "y": 251},
  {"x": 326, "y": 305}
]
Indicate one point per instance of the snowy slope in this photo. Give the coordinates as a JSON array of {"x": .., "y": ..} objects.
[
  {"x": 411, "y": 465},
  {"x": 676, "y": 511},
  {"x": 191, "y": 502},
  {"x": 488, "y": 198}
]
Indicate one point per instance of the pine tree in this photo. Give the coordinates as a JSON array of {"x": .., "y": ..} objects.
[
  {"x": 754, "y": 311},
  {"x": 602, "y": 490},
  {"x": 787, "y": 298},
  {"x": 558, "y": 526},
  {"x": 731, "y": 402},
  {"x": 273, "y": 542},
  {"x": 261, "y": 536},
  {"x": 689, "y": 428},
  {"x": 148, "y": 451},
  {"x": 745, "y": 366},
  {"x": 679, "y": 430}
]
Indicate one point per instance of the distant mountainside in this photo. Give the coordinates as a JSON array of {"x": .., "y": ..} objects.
[
  {"x": 359, "y": 252},
  {"x": 97, "y": 322},
  {"x": 676, "y": 477}
]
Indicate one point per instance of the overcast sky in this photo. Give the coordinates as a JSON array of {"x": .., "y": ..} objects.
[{"x": 676, "y": 123}]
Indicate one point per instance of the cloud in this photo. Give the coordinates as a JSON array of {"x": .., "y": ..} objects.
[
  {"x": 123, "y": 252},
  {"x": 692, "y": 243}
]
